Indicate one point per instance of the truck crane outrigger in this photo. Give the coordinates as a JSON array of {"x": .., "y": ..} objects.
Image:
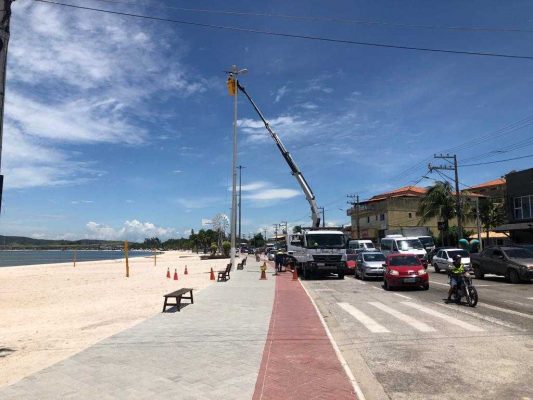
[
  {"x": 309, "y": 195},
  {"x": 315, "y": 250}
]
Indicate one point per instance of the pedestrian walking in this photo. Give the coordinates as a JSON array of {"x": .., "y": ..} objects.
[{"x": 278, "y": 259}]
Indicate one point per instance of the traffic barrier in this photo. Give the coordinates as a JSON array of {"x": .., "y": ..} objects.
[
  {"x": 175, "y": 274},
  {"x": 168, "y": 272},
  {"x": 212, "y": 275},
  {"x": 185, "y": 272}
]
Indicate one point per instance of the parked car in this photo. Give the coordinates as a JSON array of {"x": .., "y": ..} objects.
[
  {"x": 513, "y": 262},
  {"x": 404, "y": 270},
  {"x": 444, "y": 259},
  {"x": 369, "y": 265}
]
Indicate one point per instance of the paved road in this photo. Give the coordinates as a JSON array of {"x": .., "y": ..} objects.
[{"x": 408, "y": 344}]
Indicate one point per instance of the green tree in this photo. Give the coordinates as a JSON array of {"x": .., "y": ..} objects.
[
  {"x": 491, "y": 214},
  {"x": 297, "y": 229},
  {"x": 214, "y": 248},
  {"x": 258, "y": 240},
  {"x": 438, "y": 202},
  {"x": 226, "y": 246}
]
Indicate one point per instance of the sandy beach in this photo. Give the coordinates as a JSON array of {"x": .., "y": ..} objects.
[{"x": 49, "y": 312}]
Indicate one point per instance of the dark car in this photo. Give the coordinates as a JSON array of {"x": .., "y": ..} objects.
[{"x": 513, "y": 262}]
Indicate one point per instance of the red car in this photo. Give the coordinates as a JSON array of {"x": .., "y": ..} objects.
[{"x": 404, "y": 270}]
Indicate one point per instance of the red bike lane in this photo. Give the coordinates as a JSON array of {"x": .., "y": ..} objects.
[{"x": 299, "y": 361}]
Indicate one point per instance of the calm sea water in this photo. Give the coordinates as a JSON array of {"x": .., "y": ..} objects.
[{"x": 11, "y": 258}]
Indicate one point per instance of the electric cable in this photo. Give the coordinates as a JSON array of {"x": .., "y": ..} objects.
[
  {"x": 329, "y": 19},
  {"x": 291, "y": 35}
]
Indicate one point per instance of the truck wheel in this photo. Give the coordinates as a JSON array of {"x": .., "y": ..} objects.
[
  {"x": 307, "y": 274},
  {"x": 513, "y": 276},
  {"x": 341, "y": 275}
]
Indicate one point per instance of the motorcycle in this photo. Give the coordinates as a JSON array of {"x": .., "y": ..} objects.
[{"x": 466, "y": 289}]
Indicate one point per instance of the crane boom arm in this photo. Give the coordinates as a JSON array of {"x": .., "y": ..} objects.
[{"x": 309, "y": 195}]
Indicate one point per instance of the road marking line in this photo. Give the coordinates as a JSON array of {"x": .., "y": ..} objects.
[
  {"x": 483, "y": 317},
  {"x": 505, "y": 310},
  {"x": 375, "y": 287},
  {"x": 439, "y": 283},
  {"x": 361, "y": 282},
  {"x": 529, "y": 298},
  {"x": 405, "y": 297},
  {"x": 422, "y": 327},
  {"x": 451, "y": 320},
  {"x": 368, "y": 322},
  {"x": 345, "y": 366},
  {"x": 517, "y": 303}
]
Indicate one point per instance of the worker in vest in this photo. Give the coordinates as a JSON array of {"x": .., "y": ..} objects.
[
  {"x": 278, "y": 259},
  {"x": 455, "y": 272}
]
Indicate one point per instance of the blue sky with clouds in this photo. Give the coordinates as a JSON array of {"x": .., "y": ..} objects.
[{"x": 119, "y": 127}]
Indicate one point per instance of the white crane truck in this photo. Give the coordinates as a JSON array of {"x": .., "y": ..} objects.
[{"x": 315, "y": 250}]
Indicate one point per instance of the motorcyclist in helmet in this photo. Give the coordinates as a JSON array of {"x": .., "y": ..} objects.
[{"x": 455, "y": 272}]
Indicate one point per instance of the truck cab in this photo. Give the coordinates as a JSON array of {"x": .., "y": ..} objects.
[{"x": 318, "y": 252}]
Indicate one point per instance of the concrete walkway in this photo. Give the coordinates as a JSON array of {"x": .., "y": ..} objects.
[{"x": 210, "y": 350}]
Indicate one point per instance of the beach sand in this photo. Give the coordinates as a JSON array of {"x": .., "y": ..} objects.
[{"x": 50, "y": 312}]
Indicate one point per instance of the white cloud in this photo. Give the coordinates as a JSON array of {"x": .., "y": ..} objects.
[
  {"x": 273, "y": 194},
  {"x": 131, "y": 230},
  {"x": 286, "y": 125},
  {"x": 177, "y": 171},
  {"x": 66, "y": 86},
  {"x": 81, "y": 202},
  {"x": 282, "y": 91}
]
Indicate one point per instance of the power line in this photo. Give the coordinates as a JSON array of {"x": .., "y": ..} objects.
[
  {"x": 496, "y": 161},
  {"x": 331, "y": 19},
  {"x": 290, "y": 35}
]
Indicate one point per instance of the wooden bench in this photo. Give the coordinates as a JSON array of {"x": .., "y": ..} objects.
[
  {"x": 223, "y": 276},
  {"x": 178, "y": 295},
  {"x": 240, "y": 265}
]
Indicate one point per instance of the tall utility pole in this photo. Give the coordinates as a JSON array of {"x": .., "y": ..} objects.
[
  {"x": 285, "y": 225},
  {"x": 457, "y": 192},
  {"x": 233, "y": 81},
  {"x": 265, "y": 230},
  {"x": 5, "y": 18},
  {"x": 276, "y": 226},
  {"x": 240, "y": 197},
  {"x": 478, "y": 225},
  {"x": 356, "y": 206}
]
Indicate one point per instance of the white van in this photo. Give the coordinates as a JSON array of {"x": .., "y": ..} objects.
[
  {"x": 400, "y": 244},
  {"x": 366, "y": 245}
]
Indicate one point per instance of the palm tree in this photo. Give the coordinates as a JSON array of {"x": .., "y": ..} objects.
[
  {"x": 438, "y": 202},
  {"x": 491, "y": 214}
]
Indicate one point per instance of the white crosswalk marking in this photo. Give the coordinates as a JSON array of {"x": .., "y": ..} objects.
[
  {"x": 451, "y": 320},
  {"x": 505, "y": 310},
  {"x": 422, "y": 327},
  {"x": 368, "y": 322}
]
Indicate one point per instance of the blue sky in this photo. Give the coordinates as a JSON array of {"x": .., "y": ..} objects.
[{"x": 118, "y": 127}]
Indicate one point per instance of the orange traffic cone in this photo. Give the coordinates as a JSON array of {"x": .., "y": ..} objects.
[
  {"x": 212, "y": 275},
  {"x": 175, "y": 274},
  {"x": 263, "y": 272},
  {"x": 185, "y": 272},
  {"x": 168, "y": 272}
]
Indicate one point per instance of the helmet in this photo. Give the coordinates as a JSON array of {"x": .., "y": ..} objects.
[{"x": 457, "y": 257}]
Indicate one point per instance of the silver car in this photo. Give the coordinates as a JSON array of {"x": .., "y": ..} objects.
[
  {"x": 443, "y": 260},
  {"x": 369, "y": 265}
]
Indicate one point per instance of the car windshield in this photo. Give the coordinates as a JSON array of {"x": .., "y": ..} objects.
[
  {"x": 462, "y": 253},
  {"x": 374, "y": 257},
  {"x": 399, "y": 261},
  {"x": 407, "y": 244},
  {"x": 325, "y": 241},
  {"x": 427, "y": 241},
  {"x": 370, "y": 245},
  {"x": 519, "y": 253}
]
